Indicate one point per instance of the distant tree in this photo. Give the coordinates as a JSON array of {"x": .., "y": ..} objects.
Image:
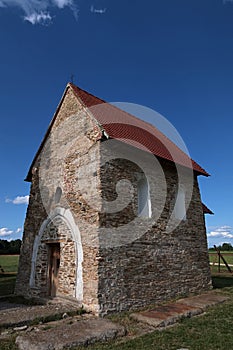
[
  {"x": 211, "y": 249},
  {"x": 226, "y": 247},
  {"x": 15, "y": 246},
  {"x": 4, "y": 246},
  {"x": 12, "y": 247}
]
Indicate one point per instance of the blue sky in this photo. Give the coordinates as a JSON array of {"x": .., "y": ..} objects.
[{"x": 174, "y": 56}]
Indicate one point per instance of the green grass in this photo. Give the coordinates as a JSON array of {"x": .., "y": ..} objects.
[
  {"x": 211, "y": 331},
  {"x": 227, "y": 256},
  {"x": 9, "y": 263},
  {"x": 7, "y": 284},
  {"x": 8, "y": 344},
  {"x": 223, "y": 270},
  {"x": 225, "y": 281}
]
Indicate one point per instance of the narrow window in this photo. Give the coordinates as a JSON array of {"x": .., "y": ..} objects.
[
  {"x": 58, "y": 194},
  {"x": 180, "y": 209},
  {"x": 144, "y": 202}
]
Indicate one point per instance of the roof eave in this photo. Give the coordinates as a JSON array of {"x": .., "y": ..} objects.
[
  {"x": 206, "y": 210},
  {"x": 196, "y": 168},
  {"x": 203, "y": 173}
]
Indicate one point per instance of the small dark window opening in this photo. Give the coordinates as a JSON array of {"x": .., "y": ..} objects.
[{"x": 58, "y": 194}]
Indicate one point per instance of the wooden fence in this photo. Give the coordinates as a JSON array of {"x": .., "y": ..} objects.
[{"x": 222, "y": 260}]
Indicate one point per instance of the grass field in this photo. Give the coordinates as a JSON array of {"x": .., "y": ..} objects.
[
  {"x": 227, "y": 256},
  {"x": 9, "y": 263}
]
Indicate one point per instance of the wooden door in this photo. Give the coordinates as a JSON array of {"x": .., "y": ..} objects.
[{"x": 54, "y": 264}]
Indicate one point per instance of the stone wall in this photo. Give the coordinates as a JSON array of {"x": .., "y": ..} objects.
[
  {"x": 72, "y": 144},
  {"x": 160, "y": 260},
  {"x": 35, "y": 216},
  {"x": 128, "y": 261}
]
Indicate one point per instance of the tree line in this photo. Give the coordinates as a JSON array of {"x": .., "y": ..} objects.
[
  {"x": 10, "y": 247},
  {"x": 226, "y": 247}
]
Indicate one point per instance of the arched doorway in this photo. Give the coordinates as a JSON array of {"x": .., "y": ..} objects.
[{"x": 56, "y": 267}]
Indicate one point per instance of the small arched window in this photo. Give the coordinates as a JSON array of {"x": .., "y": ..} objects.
[
  {"x": 144, "y": 202},
  {"x": 58, "y": 194},
  {"x": 180, "y": 208}
]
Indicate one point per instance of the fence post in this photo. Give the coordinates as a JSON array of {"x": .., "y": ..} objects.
[{"x": 220, "y": 256}]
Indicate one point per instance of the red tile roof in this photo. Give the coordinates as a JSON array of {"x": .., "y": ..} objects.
[
  {"x": 134, "y": 131},
  {"x": 125, "y": 127}
]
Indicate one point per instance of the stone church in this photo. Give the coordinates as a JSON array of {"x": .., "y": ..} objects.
[{"x": 115, "y": 218}]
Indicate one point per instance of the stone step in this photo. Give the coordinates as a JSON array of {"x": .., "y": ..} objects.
[
  {"x": 166, "y": 315},
  {"x": 19, "y": 315},
  {"x": 73, "y": 332}
]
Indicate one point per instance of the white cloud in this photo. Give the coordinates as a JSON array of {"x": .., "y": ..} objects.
[
  {"x": 37, "y": 11},
  {"x": 5, "y": 232},
  {"x": 19, "y": 230},
  {"x": 41, "y": 18},
  {"x": 221, "y": 232},
  {"x": 18, "y": 200},
  {"x": 99, "y": 11},
  {"x": 63, "y": 3}
]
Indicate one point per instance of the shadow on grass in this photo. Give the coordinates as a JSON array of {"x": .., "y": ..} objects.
[
  {"x": 222, "y": 281},
  {"x": 7, "y": 283},
  {"x": 7, "y": 274}
]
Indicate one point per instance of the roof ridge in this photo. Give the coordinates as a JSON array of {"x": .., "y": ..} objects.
[
  {"x": 75, "y": 87},
  {"x": 158, "y": 148},
  {"x": 131, "y": 115}
]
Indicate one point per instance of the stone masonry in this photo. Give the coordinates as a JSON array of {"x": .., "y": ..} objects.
[{"x": 110, "y": 260}]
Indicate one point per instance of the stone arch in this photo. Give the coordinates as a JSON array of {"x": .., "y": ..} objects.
[{"x": 65, "y": 217}]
